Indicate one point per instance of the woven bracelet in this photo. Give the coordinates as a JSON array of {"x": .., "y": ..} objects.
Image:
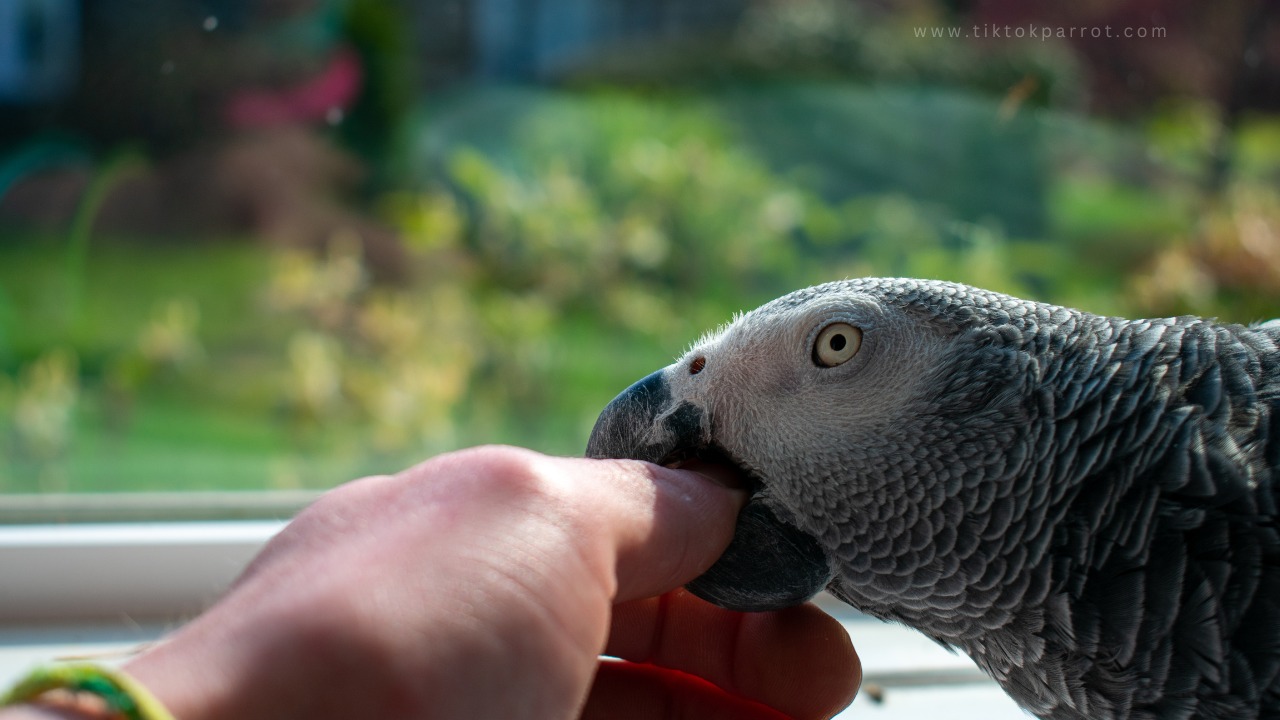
[{"x": 121, "y": 695}]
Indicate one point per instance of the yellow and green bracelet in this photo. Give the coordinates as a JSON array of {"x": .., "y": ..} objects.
[{"x": 121, "y": 695}]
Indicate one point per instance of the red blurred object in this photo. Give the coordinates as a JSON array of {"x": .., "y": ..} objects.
[{"x": 335, "y": 89}]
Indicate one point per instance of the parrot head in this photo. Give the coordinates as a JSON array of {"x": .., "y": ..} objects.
[{"x": 857, "y": 414}]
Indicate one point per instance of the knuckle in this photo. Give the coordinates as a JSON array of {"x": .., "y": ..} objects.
[{"x": 499, "y": 470}]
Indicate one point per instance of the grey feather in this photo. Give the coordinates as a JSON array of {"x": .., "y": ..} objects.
[{"x": 1085, "y": 505}]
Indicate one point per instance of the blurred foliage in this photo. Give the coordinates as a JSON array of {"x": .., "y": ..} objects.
[
  {"x": 562, "y": 243},
  {"x": 42, "y": 402}
]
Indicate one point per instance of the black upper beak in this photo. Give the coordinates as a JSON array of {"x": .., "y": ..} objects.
[
  {"x": 769, "y": 564},
  {"x": 643, "y": 423}
]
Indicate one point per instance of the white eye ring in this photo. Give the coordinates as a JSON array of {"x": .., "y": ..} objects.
[{"x": 836, "y": 344}]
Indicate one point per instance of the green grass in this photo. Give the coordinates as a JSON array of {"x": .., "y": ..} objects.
[
  {"x": 223, "y": 423},
  {"x": 183, "y": 429},
  {"x": 123, "y": 284}
]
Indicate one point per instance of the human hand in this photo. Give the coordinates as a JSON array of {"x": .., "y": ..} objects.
[{"x": 484, "y": 584}]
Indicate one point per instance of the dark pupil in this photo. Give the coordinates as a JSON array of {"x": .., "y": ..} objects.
[{"x": 837, "y": 342}]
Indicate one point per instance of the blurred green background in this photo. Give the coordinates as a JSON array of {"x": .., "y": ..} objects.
[{"x": 278, "y": 244}]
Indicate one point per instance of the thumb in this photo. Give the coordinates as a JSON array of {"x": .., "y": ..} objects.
[{"x": 667, "y": 525}]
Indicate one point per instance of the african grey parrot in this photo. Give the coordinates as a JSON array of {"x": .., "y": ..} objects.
[{"x": 1085, "y": 505}]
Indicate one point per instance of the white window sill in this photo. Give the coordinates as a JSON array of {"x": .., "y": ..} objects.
[{"x": 107, "y": 571}]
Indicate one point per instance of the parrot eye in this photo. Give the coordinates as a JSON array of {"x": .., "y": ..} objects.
[{"x": 836, "y": 344}]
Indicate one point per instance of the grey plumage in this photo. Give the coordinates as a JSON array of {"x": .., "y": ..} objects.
[{"x": 1085, "y": 505}]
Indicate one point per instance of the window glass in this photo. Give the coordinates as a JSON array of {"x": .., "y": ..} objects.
[{"x": 271, "y": 245}]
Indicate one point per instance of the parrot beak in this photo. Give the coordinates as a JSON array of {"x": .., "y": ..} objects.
[
  {"x": 644, "y": 423},
  {"x": 769, "y": 564}
]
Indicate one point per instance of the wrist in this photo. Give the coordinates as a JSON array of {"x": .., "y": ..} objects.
[
  {"x": 250, "y": 659},
  {"x": 82, "y": 690},
  {"x": 211, "y": 669}
]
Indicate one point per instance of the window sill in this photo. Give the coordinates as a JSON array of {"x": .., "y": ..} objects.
[{"x": 141, "y": 571}]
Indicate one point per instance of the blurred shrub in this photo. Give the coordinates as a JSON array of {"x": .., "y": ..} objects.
[
  {"x": 616, "y": 192},
  {"x": 369, "y": 370},
  {"x": 649, "y": 210},
  {"x": 41, "y": 407},
  {"x": 1228, "y": 266}
]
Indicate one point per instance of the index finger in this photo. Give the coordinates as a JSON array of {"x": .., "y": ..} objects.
[{"x": 799, "y": 661}]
